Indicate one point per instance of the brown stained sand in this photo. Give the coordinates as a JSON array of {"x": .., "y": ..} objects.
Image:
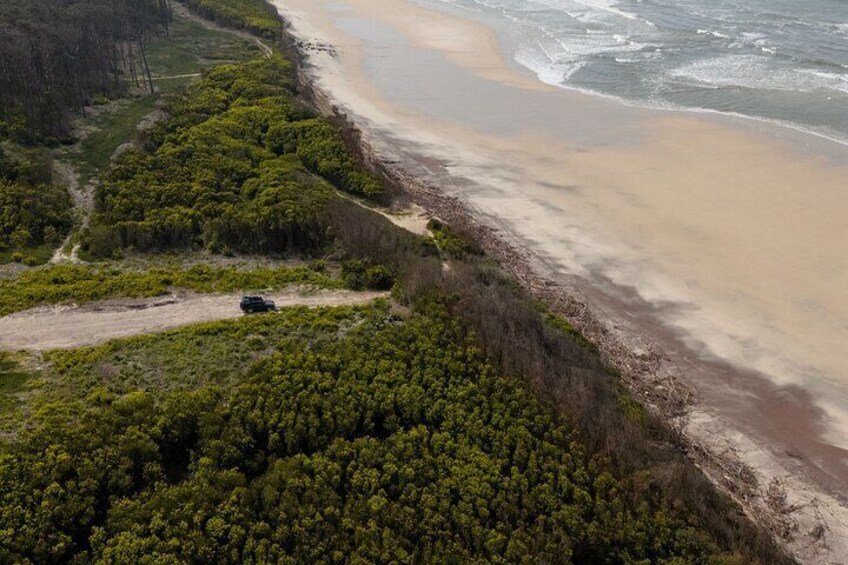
[
  {"x": 60, "y": 327},
  {"x": 761, "y": 230},
  {"x": 719, "y": 241},
  {"x": 758, "y": 247}
]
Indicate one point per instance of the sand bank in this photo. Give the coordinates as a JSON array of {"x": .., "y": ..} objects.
[{"x": 720, "y": 239}]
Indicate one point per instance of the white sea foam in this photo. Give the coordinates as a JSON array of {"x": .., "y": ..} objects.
[
  {"x": 756, "y": 72},
  {"x": 713, "y": 33},
  {"x": 543, "y": 74},
  {"x": 835, "y": 81},
  {"x": 606, "y": 6},
  {"x": 751, "y": 46},
  {"x": 598, "y": 44},
  {"x": 550, "y": 68}
]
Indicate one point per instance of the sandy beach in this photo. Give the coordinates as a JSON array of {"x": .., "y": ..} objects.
[{"x": 718, "y": 239}]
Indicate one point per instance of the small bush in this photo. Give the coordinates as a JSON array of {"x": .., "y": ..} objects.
[
  {"x": 379, "y": 277},
  {"x": 353, "y": 274},
  {"x": 358, "y": 274},
  {"x": 452, "y": 244}
]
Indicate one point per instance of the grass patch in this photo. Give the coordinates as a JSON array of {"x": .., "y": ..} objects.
[
  {"x": 112, "y": 128},
  {"x": 451, "y": 244},
  {"x": 81, "y": 284},
  {"x": 189, "y": 48},
  {"x": 561, "y": 324},
  {"x": 631, "y": 407},
  {"x": 192, "y": 47}
]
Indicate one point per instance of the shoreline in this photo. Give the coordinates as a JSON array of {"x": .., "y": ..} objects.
[
  {"x": 791, "y": 127},
  {"x": 648, "y": 371}
]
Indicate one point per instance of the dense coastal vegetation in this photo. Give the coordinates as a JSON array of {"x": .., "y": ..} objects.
[
  {"x": 256, "y": 16},
  {"x": 459, "y": 422},
  {"x": 230, "y": 169},
  {"x": 395, "y": 443},
  {"x": 35, "y": 215}
]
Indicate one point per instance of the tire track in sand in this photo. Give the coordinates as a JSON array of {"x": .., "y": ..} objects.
[{"x": 65, "y": 327}]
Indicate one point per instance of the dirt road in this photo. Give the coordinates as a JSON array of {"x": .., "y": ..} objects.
[{"x": 62, "y": 327}]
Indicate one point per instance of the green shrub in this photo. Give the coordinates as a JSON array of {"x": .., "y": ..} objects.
[
  {"x": 13, "y": 381},
  {"x": 30, "y": 167},
  {"x": 5, "y": 170},
  {"x": 450, "y": 243},
  {"x": 358, "y": 274},
  {"x": 353, "y": 274},
  {"x": 32, "y": 214},
  {"x": 379, "y": 277}
]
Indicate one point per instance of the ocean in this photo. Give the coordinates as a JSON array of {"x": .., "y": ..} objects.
[{"x": 779, "y": 60}]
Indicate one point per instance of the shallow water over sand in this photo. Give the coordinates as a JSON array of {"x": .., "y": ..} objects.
[
  {"x": 725, "y": 234},
  {"x": 783, "y": 60}
]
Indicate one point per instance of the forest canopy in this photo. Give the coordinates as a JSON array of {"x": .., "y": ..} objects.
[
  {"x": 33, "y": 212},
  {"x": 56, "y": 56},
  {"x": 392, "y": 442},
  {"x": 239, "y": 165}
]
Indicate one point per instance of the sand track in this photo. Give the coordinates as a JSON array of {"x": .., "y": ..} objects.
[{"x": 62, "y": 327}]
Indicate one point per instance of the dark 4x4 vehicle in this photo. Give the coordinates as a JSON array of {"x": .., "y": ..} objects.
[{"x": 253, "y": 304}]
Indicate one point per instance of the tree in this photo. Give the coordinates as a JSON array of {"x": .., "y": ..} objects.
[{"x": 56, "y": 56}]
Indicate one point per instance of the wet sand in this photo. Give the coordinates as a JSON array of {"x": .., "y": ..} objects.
[{"x": 722, "y": 239}]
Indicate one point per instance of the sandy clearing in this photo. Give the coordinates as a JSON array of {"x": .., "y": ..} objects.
[
  {"x": 65, "y": 327},
  {"x": 412, "y": 218},
  {"x": 83, "y": 199}
]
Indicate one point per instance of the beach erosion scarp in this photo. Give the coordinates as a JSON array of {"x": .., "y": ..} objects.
[{"x": 705, "y": 251}]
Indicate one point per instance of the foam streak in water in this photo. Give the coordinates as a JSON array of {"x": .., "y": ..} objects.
[{"x": 784, "y": 63}]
